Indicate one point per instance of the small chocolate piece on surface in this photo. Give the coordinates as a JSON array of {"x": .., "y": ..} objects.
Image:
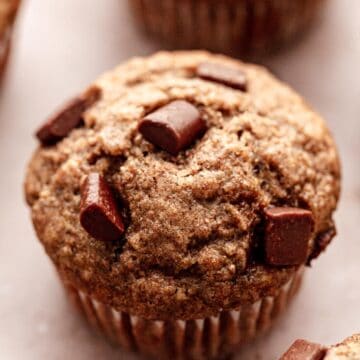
[
  {"x": 321, "y": 242},
  {"x": 304, "y": 350},
  {"x": 287, "y": 235},
  {"x": 60, "y": 124},
  {"x": 173, "y": 127},
  {"x": 99, "y": 214},
  {"x": 229, "y": 76}
]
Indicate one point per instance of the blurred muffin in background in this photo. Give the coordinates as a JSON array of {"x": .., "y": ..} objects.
[
  {"x": 8, "y": 10},
  {"x": 231, "y": 26}
]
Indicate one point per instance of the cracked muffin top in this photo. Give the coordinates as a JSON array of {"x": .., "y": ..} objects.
[{"x": 182, "y": 184}]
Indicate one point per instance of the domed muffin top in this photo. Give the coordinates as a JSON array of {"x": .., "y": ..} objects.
[{"x": 182, "y": 184}]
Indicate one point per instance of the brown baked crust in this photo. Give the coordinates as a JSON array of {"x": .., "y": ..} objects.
[{"x": 191, "y": 246}]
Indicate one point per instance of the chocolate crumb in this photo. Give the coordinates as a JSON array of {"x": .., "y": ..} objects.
[{"x": 321, "y": 243}]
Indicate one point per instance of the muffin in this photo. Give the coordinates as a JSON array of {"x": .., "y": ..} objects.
[
  {"x": 180, "y": 197},
  {"x": 349, "y": 349},
  {"x": 235, "y": 26},
  {"x": 8, "y": 10}
]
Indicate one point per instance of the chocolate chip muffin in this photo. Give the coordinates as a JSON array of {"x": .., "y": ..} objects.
[
  {"x": 8, "y": 10},
  {"x": 349, "y": 349},
  {"x": 236, "y": 26},
  {"x": 180, "y": 197}
]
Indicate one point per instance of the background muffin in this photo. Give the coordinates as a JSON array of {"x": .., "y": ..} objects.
[
  {"x": 195, "y": 244},
  {"x": 8, "y": 10},
  {"x": 349, "y": 349},
  {"x": 237, "y": 26}
]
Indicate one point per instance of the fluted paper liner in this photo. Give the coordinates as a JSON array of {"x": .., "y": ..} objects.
[
  {"x": 192, "y": 339},
  {"x": 244, "y": 26}
]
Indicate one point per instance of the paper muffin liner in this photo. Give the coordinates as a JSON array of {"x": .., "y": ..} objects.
[
  {"x": 209, "y": 338},
  {"x": 242, "y": 26}
]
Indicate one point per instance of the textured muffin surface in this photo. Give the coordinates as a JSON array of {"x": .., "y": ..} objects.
[{"x": 193, "y": 236}]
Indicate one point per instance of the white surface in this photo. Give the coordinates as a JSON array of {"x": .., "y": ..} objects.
[{"x": 63, "y": 45}]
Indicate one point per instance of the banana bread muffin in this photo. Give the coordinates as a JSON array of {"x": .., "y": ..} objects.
[
  {"x": 8, "y": 10},
  {"x": 231, "y": 26},
  {"x": 349, "y": 349},
  {"x": 180, "y": 197}
]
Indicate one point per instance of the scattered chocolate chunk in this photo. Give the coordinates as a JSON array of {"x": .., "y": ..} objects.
[
  {"x": 321, "y": 242},
  {"x": 60, "y": 124},
  {"x": 304, "y": 350},
  {"x": 99, "y": 215},
  {"x": 229, "y": 76},
  {"x": 173, "y": 127},
  {"x": 287, "y": 235}
]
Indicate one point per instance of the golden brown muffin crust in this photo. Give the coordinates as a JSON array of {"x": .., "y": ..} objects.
[{"x": 190, "y": 248}]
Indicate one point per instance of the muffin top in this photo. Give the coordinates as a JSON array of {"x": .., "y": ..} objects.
[
  {"x": 349, "y": 349},
  {"x": 221, "y": 215}
]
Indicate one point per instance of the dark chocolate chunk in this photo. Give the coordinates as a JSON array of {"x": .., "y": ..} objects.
[
  {"x": 229, "y": 76},
  {"x": 99, "y": 215},
  {"x": 321, "y": 242},
  {"x": 61, "y": 123},
  {"x": 288, "y": 232},
  {"x": 173, "y": 127},
  {"x": 304, "y": 350}
]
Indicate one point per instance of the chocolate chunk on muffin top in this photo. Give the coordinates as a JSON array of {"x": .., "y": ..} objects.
[{"x": 207, "y": 191}]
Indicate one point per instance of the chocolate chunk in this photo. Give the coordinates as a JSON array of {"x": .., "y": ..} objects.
[
  {"x": 99, "y": 215},
  {"x": 304, "y": 350},
  {"x": 288, "y": 232},
  {"x": 173, "y": 127},
  {"x": 60, "y": 124},
  {"x": 229, "y": 76}
]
